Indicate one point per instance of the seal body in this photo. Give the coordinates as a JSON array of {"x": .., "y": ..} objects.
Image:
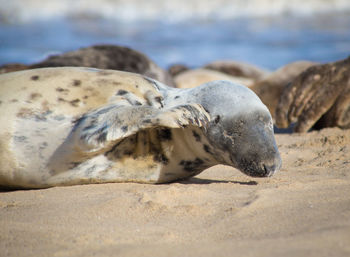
[
  {"x": 112, "y": 57},
  {"x": 66, "y": 126},
  {"x": 196, "y": 77}
]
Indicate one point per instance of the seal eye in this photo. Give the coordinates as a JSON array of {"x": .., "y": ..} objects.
[{"x": 217, "y": 119}]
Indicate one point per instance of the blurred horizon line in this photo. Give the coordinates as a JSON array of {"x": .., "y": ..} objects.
[{"x": 24, "y": 11}]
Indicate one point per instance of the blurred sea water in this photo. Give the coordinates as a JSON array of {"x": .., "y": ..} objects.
[{"x": 266, "y": 33}]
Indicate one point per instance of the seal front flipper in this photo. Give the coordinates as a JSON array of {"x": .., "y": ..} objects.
[{"x": 98, "y": 131}]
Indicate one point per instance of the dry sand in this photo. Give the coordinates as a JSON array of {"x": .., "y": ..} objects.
[{"x": 304, "y": 210}]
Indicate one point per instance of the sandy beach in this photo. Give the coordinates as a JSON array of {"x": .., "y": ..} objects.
[{"x": 304, "y": 210}]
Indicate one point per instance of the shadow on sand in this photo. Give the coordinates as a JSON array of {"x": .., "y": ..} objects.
[{"x": 212, "y": 181}]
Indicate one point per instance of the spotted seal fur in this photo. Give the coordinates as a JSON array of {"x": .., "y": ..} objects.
[{"x": 69, "y": 125}]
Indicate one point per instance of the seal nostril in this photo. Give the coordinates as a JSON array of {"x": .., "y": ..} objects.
[
  {"x": 265, "y": 168},
  {"x": 269, "y": 170}
]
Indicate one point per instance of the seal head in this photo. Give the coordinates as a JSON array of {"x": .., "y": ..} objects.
[{"x": 241, "y": 129}]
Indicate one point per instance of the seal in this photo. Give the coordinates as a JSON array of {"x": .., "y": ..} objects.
[
  {"x": 69, "y": 125},
  {"x": 237, "y": 69},
  {"x": 317, "y": 98},
  {"x": 196, "y": 77},
  {"x": 270, "y": 88},
  {"x": 112, "y": 57}
]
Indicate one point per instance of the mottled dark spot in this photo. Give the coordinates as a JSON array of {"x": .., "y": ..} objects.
[
  {"x": 122, "y": 92},
  {"x": 147, "y": 121},
  {"x": 14, "y": 101},
  {"x": 138, "y": 103},
  {"x": 43, "y": 145},
  {"x": 102, "y": 137},
  {"x": 192, "y": 166},
  {"x": 176, "y": 97},
  {"x": 75, "y": 102},
  {"x": 196, "y": 136},
  {"x": 20, "y": 138},
  {"x": 124, "y": 128},
  {"x": 34, "y": 96},
  {"x": 103, "y": 82},
  {"x": 83, "y": 136},
  {"x": 40, "y": 117},
  {"x": 34, "y": 77},
  {"x": 25, "y": 113},
  {"x": 217, "y": 119},
  {"x": 161, "y": 158},
  {"x": 76, "y": 83},
  {"x": 165, "y": 134},
  {"x": 207, "y": 148},
  {"x": 158, "y": 99},
  {"x": 59, "y": 89},
  {"x": 60, "y": 99}
]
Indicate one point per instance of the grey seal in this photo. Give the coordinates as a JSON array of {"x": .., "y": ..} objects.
[{"x": 69, "y": 126}]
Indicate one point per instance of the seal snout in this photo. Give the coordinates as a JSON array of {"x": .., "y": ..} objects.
[
  {"x": 263, "y": 166},
  {"x": 271, "y": 168}
]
